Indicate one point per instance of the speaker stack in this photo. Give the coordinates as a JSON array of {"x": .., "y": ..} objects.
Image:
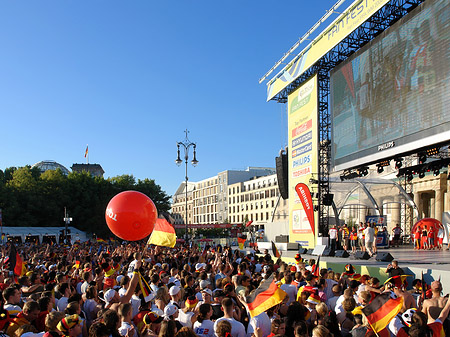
[
  {"x": 342, "y": 253},
  {"x": 362, "y": 255},
  {"x": 281, "y": 163},
  {"x": 384, "y": 257}
]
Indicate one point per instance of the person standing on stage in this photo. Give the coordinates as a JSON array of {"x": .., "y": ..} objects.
[
  {"x": 397, "y": 230},
  {"x": 333, "y": 234}
]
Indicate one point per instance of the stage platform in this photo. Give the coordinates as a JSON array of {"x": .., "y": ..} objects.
[{"x": 434, "y": 264}]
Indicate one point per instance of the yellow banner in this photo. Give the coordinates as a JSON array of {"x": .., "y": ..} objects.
[
  {"x": 346, "y": 23},
  {"x": 302, "y": 157}
]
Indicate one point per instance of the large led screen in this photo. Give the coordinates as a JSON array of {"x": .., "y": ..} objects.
[{"x": 393, "y": 96}]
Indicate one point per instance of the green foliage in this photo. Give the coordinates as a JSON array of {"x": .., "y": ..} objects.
[{"x": 29, "y": 198}]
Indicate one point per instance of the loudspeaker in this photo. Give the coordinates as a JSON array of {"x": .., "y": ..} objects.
[
  {"x": 292, "y": 246},
  {"x": 302, "y": 250},
  {"x": 328, "y": 252},
  {"x": 309, "y": 251},
  {"x": 341, "y": 253},
  {"x": 282, "y": 238},
  {"x": 384, "y": 257},
  {"x": 328, "y": 199},
  {"x": 362, "y": 255},
  {"x": 282, "y": 174}
]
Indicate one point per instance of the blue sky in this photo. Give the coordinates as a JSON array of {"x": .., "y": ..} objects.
[{"x": 128, "y": 77}]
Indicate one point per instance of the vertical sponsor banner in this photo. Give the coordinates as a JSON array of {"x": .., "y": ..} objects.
[{"x": 303, "y": 159}]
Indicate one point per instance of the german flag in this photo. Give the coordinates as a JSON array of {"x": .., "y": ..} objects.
[
  {"x": 275, "y": 251},
  {"x": 163, "y": 234},
  {"x": 398, "y": 280},
  {"x": 77, "y": 264},
  {"x": 241, "y": 242},
  {"x": 145, "y": 288},
  {"x": 15, "y": 262},
  {"x": 264, "y": 297},
  {"x": 382, "y": 310},
  {"x": 100, "y": 240},
  {"x": 315, "y": 269}
]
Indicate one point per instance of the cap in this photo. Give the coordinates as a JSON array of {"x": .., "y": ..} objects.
[
  {"x": 314, "y": 299},
  {"x": 170, "y": 309},
  {"x": 174, "y": 290},
  {"x": 152, "y": 317},
  {"x": 119, "y": 278},
  {"x": 108, "y": 295},
  {"x": 191, "y": 302},
  {"x": 293, "y": 268},
  {"x": 218, "y": 293},
  {"x": 68, "y": 322},
  {"x": 298, "y": 257},
  {"x": 175, "y": 281},
  {"x": 199, "y": 266},
  {"x": 208, "y": 291},
  {"x": 407, "y": 316},
  {"x": 204, "y": 284}
]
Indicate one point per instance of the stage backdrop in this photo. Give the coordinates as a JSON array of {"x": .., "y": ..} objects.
[{"x": 303, "y": 158}]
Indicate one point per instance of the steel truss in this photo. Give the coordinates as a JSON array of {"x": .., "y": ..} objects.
[{"x": 379, "y": 22}]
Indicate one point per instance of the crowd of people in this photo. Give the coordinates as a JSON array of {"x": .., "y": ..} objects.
[{"x": 132, "y": 290}]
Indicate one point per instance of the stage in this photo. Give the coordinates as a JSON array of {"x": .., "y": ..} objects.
[{"x": 434, "y": 264}]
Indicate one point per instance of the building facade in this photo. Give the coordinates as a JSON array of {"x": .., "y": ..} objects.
[{"x": 209, "y": 197}]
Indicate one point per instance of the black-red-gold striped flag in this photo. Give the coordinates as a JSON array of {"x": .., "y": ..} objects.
[
  {"x": 15, "y": 262},
  {"x": 382, "y": 310},
  {"x": 275, "y": 250},
  {"x": 264, "y": 297}
]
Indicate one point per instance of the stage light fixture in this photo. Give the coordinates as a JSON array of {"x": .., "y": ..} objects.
[
  {"x": 436, "y": 172},
  {"x": 421, "y": 174},
  {"x": 422, "y": 158},
  {"x": 363, "y": 171},
  {"x": 398, "y": 163},
  {"x": 409, "y": 177},
  {"x": 433, "y": 151},
  {"x": 313, "y": 181},
  {"x": 380, "y": 169}
]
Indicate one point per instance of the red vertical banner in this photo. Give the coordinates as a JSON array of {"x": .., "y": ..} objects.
[{"x": 305, "y": 197}]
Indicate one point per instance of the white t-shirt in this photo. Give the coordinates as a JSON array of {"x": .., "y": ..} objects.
[
  {"x": 333, "y": 233},
  {"x": 370, "y": 234},
  {"x": 291, "y": 290},
  {"x": 205, "y": 328},
  {"x": 125, "y": 327},
  {"x": 237, "y": 328},
  {"x": 62, "y": 304},
  {"x": 261, "y": 321},
  {"x": 185, "y": 318}
]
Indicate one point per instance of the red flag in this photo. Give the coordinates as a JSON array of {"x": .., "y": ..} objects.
[
  {"x": 248, "y": 223},
  {"x": 305, "y": 197},
  {"x": 86, "y": 152}
]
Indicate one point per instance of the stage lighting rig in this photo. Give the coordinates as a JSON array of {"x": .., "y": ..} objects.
[
  {"x": 348, "y": 175},
  {"x": 363, "y": 171},
  {"x": 422, "y": 158},
  {"x": 433, "y": 151},
  {"x": 398, "y": 163},
  {"x": 381, "y": 165}
]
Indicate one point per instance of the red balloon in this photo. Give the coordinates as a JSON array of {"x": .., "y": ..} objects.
[{"x": 131, "y": 215}]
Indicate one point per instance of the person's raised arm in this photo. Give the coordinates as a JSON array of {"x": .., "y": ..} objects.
[
  {"x": 445, "y": 311},
  {"x": 132, "y": 286}
]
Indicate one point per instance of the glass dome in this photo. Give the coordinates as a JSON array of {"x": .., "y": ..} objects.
[{"x": 50, "y": 165}]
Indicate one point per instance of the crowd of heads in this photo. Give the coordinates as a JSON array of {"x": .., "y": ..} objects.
[{"x": 134, "y": 290}]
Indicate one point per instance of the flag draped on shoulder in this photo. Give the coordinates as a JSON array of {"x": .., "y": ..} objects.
[
  {"x": 145, "y": 288},
  {"x": 275, "y": 250},
  {"x": 163, "y": 234},
  {"x": 382, "y": 310},
  {"x": 398, "y": 280},
  {"x": 264, "y": 297},
  {"x": 15, "y": 262}
]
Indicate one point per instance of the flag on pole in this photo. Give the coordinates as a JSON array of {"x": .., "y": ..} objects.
[
  {"x": 264, "y": 297},
  {"x": 145, "y": 288},
  {"x": 315, "y": 269},
  {"x": 15, "y": 262},
  {"x": 163, "y": 234},
  {"x": 382, "y": 310},
  {"x": 86, "y": 152},
  {"x": 248, "y": 223},
  {"x": 100, "y": 240},
  {"x": 275, "y": 251},
  {"x": 241, "y": 242}
]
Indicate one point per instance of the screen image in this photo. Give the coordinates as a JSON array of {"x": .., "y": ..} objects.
[{"x": 393, "y": 95}]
